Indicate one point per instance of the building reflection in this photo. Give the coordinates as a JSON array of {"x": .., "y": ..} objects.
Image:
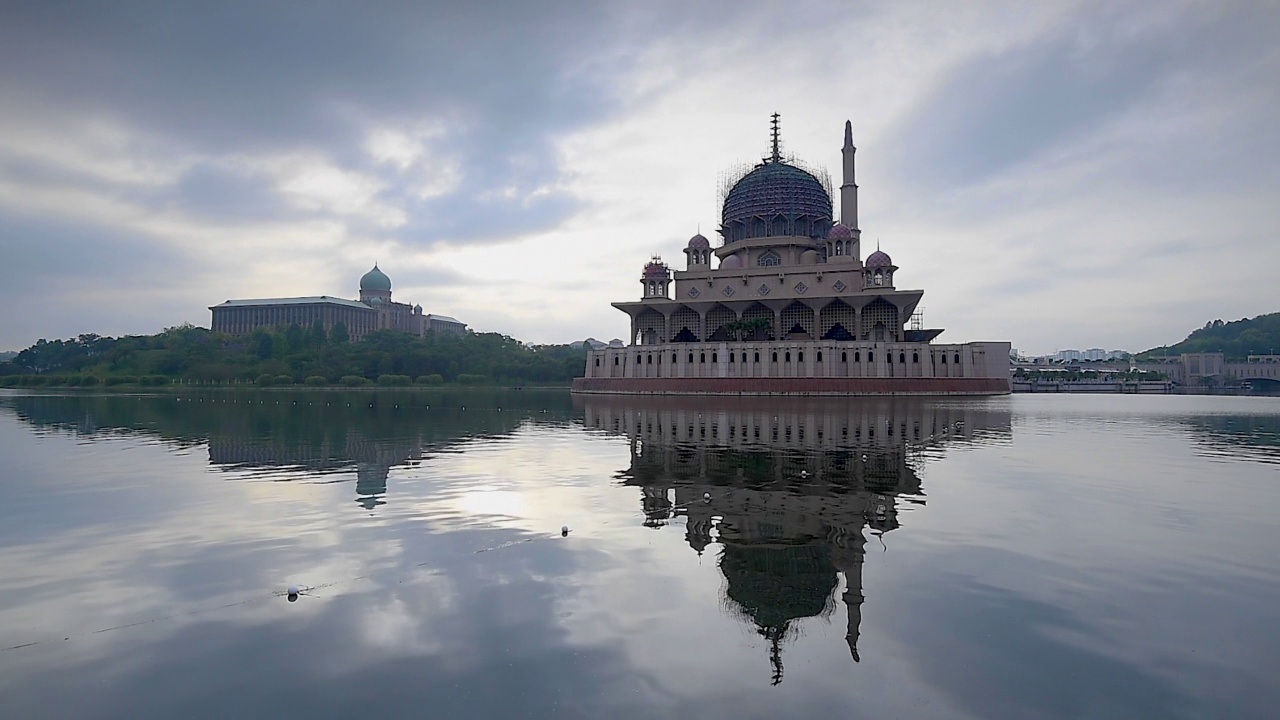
[
  {"x": 789, "y": 490},
  {"x": 298, "y": 435}
]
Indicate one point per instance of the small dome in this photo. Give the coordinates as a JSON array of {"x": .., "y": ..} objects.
[
  {"x": 375, "y": 301},
  {"x": 698, "y": 242},
  {"x": 733, "y": 262},
  {"x": 879, "y": 259},
  {"x": 417, "y": 309},
  {"x": 655, "y": 269},
  {"x": 839, "y": 231},
  {"x": 375, "y": 279},
  {"x": 808, "y": 257}
]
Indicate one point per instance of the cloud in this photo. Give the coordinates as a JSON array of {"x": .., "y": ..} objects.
[{"x": 546, "y": 151}]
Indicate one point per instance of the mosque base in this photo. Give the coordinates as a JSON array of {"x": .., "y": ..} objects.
[{"x": 792, "y": 386}]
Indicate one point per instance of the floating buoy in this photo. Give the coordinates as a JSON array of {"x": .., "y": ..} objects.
[
  {"x": 564, "y": 531},
  {"x": 706, "y": 497},
  {"x": 864, "y": 457},
  {"x": 293, "y": 593},
  {"x": 804, "y": 473}
]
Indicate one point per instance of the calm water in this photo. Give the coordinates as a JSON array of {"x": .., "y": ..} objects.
[{"x": 1018, "y": 557}]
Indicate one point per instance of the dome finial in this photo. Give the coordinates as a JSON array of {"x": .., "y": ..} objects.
[{"x": 777, "y": 142}]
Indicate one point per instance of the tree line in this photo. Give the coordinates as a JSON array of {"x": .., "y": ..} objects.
[{"x": 293, "y": 354}]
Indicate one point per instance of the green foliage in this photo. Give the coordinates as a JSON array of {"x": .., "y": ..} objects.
[
  {"x": 265, "y": 379},
  {"x": 433, "y": 379},
  {"x": 339, "y": 334},
  {"x": 315, "y": 381},
  {"x": 394, "y": 380},
  {"x": 354, "y": 381},
  {"x": 194, "y": 354},
  {"x": 282, "y": 380},
  {"x": 1236, "y": 340}
]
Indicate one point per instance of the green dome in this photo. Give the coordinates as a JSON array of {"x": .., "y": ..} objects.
[{"x": 375, "y": 279}]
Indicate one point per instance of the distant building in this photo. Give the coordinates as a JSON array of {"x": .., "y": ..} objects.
[{"x": 375, "y": 310}]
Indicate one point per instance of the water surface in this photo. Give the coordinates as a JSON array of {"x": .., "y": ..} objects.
[{"x": 1020, "y": 557}]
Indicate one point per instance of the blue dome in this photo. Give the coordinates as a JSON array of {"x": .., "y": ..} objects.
[
  {"x": 776, "y": 188},
  {"x": 375, "y": 279}
]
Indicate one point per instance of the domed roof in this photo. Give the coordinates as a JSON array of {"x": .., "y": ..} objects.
[
  {"x": 417, "y": 309},
  {"x": 698, "y": 242},
  {"x": 375, "y": 279},
  {"x": 839, "y": 231},
  {"x": 776, "y": 188},
  {"x": 375, "y": 301},
  {"x": 879, "y": 259},
  {"x": 656, "y": 269},
  {"x": 733, "y": 262}
]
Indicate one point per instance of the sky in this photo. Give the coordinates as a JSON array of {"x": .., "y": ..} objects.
[{"x": 1057, "y": 175}]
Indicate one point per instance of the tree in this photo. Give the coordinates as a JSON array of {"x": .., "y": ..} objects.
[
  {"x": 339, "y": 335},
  {"x": 316, "y": 338},
  {"x": 293, "y": 337}
]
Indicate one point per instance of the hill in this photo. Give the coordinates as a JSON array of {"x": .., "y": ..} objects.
[{"x": 1236, "y": 340}]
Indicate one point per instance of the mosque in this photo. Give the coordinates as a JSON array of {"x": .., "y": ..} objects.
[
  {"x": 785, "y": 304},
  {"x": 375, "y": 310}
]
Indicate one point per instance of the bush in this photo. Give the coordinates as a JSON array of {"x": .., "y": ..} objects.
[
  {"x": 315, "y": 381},
  {"x": 88, "y": 381},
  {"x": 467, "y": 379},
  {"x": 121, "y": 380},
  {"x": 394, "y": 380},
  {"x": 9, "y": 380},
  {"x": 353, "y": 381},
  {"x": 153, "y": 380},
  {"x": 434, "y": 379},
  {"x": 55, "y": 380},
  {"x": 283, "y": 380},
  {"x": 265, "y": 379}
]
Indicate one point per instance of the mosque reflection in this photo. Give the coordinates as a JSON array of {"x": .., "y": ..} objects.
[{"x": 790, "y": 490}]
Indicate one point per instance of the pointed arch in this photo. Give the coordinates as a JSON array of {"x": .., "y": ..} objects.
[
  {"x": 685, "y": 325},
  {"x": 719, "y": 320},
  {"x": 797, "y": 322}
]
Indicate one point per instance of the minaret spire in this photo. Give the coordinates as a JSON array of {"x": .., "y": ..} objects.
[
  {"x": 849, "y": 191},
  {"x": 777, "y": 140}
]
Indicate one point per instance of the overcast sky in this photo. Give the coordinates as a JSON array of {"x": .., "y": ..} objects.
[{"x": 1058, "y": 174}]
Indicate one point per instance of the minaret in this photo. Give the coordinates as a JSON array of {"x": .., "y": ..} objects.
[{"x": 849, "y": 192}]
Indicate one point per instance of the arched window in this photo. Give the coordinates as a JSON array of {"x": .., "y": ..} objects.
[
  {"x": 713, "y": 357},
  {"x": 730, "y": 357},
  {"x": 857, "y": 357},
  {"x": 673, "y": 359},
  {"x": 915, "y": 357},
  {"x": 769, "y": 259},
  {"x": 957, "y": 358},
  {"x": 690, "y": 357},
  {"x": 787, "y": 356},
  {"x": 615, "y": 359},
  {"x": 597, "y": 362},
  {"x": 888, "y": 357},
  {"x": 637, "y": 359},
  {"x": 819, "y": 356},
  {"x": 879, "y": 278},
  {"x": 800, "y": 357},
  {"x": 702, "y": 357},
  {"x": 775, "y": 357},
  {"x": 648, "y": 360},
  {"x": 844, "y": 357},
  {"x": 944, "y": 358},
  {"x": 757, "y": 358}
]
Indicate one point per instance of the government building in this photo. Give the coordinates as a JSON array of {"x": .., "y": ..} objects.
[
  {"x": 375, "y": 310},
  {"x": 784, "y": 303}
]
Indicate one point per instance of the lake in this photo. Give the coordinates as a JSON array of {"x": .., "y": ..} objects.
[{"x": 1028, "y": 556}]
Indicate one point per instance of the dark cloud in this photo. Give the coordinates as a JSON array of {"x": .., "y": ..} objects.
[{"x": 259, "y": 78}]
